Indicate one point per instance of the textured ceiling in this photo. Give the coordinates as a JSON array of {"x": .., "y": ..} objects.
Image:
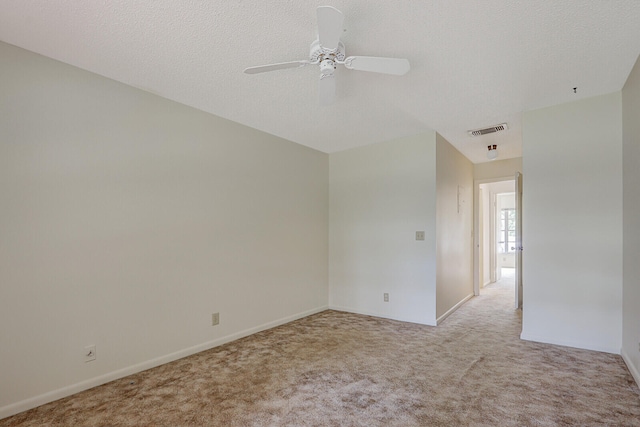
[{"x": 473, "y": 63}]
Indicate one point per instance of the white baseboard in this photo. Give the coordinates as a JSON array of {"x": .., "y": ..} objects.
[
  {"x": 33, "y": 402},
  {"x": 634, "y": 371},
  {"x": 454, "y": 308},
  {"x": 565, "y": 343},
  {"x": 382, "y": 315}
]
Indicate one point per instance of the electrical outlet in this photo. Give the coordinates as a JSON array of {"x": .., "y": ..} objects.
[
  {"x": 419, "y": 235},
  {"x": 386, "y": 297},
  {"x": 90, "y": 353},
  {"x": 215, "y": 319}
]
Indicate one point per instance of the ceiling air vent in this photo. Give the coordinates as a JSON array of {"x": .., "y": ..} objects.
[{"x": 492, "y": 129}]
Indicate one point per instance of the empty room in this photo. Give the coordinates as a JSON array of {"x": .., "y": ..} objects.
[{"x": 310, "y": 213}]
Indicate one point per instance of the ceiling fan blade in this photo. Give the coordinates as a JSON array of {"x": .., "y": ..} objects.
[
  {"x": 326, "y": 89},
  {"x": 330, "y": 28},
  {"x": 373, "y": 64},
  {"x": 273, "y": 67}
]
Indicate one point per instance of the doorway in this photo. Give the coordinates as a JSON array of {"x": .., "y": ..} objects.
[{"x": 496, "y": 247}]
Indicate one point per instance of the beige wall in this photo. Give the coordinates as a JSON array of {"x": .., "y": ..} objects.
[
  {"x": 631, "y": 221},
  {"x": 497, "y": 169},
  {"x": 572, "y": 202},
  {"x": 454, "y": 218},
  {"x": 380, "y": 195},
  {"x": 127, "y": 220}
]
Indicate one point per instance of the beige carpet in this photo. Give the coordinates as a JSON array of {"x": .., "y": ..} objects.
[{"x": 340, "y": 369}]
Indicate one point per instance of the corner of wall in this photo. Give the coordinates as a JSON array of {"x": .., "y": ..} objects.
[
  {"x": 631, "y": 221},
  {"x": 380, "y": 195}
]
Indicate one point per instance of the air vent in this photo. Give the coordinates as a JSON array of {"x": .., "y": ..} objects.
[{"x": 492, "y": 129}]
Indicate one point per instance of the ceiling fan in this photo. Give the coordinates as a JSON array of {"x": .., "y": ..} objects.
[{"x": 328, "y": 51}]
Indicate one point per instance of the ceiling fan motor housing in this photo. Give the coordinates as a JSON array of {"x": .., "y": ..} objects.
[
  {"x": 327, "y": 66},
  {"x": 317, "y": 53}
]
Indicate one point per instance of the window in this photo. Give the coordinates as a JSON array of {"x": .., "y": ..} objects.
[{"x": 507, "y": 234}]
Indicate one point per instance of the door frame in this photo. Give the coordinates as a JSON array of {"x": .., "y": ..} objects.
[
  {"x": 518, "y": 254},
  {"x": 476, "y": 227}
]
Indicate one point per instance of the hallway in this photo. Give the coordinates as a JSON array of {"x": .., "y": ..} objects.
[{"x": 493, "y": 310}]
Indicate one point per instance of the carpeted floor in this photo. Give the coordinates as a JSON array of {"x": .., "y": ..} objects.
[{"x": 340, "y": 369}]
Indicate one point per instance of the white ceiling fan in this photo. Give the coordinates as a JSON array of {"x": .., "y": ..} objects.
[{"x": 328, "y": 51}]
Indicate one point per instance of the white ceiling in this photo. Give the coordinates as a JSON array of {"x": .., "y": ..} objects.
[{"x": 473, "y": 63}]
